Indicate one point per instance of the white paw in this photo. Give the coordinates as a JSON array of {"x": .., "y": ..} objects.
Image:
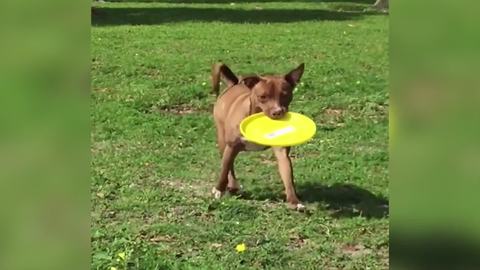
[
  {"x": 300, "y": 207},
  {"x": 217, "y": 194}
]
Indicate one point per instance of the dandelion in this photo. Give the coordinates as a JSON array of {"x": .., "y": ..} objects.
[{"x": 241, "y": 247}]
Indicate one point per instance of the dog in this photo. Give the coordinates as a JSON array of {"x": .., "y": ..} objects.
[{"x": 244, "y": 96}]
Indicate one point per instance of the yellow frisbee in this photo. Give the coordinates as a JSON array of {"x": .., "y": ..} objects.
[{"x": 293, "y": 129}]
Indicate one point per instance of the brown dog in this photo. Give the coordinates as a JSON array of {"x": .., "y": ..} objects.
[{"x": 245, "y": 96}]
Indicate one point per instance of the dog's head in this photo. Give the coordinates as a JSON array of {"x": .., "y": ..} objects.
[{"x": 273, "y": 94}]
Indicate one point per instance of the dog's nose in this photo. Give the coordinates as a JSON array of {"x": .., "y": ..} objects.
[{"x": 277, "y": 113}]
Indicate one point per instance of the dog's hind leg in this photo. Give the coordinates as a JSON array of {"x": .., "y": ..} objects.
[{"x": 233, "y": 187}]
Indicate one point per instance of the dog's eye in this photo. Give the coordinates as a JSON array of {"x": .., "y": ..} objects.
[{"x": 263, "y": 97}]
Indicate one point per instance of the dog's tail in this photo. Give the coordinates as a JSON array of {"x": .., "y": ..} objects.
[{"x": 220, "y": 70}]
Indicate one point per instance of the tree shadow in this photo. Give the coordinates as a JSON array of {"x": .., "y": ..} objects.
[
  {"x": 103, "y": 16},
  {"x": 342, "y": 200}
]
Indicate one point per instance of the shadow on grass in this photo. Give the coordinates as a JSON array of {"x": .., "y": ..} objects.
[
  {"x": 343, "y": 200},
  {"x": 104, "y": 16}
]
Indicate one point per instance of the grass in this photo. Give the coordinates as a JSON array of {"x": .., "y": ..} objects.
[{"x": 154, "y": 158}]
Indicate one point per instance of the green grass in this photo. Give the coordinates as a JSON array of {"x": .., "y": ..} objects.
[{"x": 154, "y": 158}]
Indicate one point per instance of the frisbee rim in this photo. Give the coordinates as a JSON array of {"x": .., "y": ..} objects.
[{"x": 250, "y": 118}]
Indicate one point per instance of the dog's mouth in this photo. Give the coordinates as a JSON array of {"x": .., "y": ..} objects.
[{"x": 276, "y": 116}]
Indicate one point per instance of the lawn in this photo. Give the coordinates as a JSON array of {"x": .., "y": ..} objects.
[{"x": 154, "y": 158}]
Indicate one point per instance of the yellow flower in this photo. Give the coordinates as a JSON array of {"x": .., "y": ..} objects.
[
  {"x": 122, "y": 255},
  {"x": 241, "y": 247}
]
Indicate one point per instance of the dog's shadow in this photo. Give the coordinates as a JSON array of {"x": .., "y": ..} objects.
[{"x": 341, "y": 200}]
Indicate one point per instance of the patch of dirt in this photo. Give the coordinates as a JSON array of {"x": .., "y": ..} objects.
[
  {"x": 384, "y": 256},
  {"x": 103, "y": 90},
  {"x": 334, "y": 112},
  {"x": 268, "y": 160},
  {"x": 161, "y": 238},
  {"x": 355, "y": 251},
  {"x": 177, "y": 110},
  {"x": 181, "y": 110},
  {"x": 216, "y": 245},
  {"x": 332, "y": 118},
  {"x": 298, "y": 241},
  {"x": 193, "y": 188}
]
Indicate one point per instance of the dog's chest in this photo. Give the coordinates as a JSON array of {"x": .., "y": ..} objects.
[{"x": 249, "y": 146}]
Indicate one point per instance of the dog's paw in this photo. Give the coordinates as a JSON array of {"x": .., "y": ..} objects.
[
  {"x": 297, "y": 206},
  {"x": 234, "y": 189},
  {"x": 217, "y": 194},
  {"x": 300, "y": 207}
]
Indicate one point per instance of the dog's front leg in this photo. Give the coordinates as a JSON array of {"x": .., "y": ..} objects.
[
  {"x": 286, "y": 173},
  {"x": 228, "y": 158}
]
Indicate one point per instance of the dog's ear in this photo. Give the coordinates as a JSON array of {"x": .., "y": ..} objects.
[
  {"x": 293, "y": 77},
  {"x": 250, "y": 81}
]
